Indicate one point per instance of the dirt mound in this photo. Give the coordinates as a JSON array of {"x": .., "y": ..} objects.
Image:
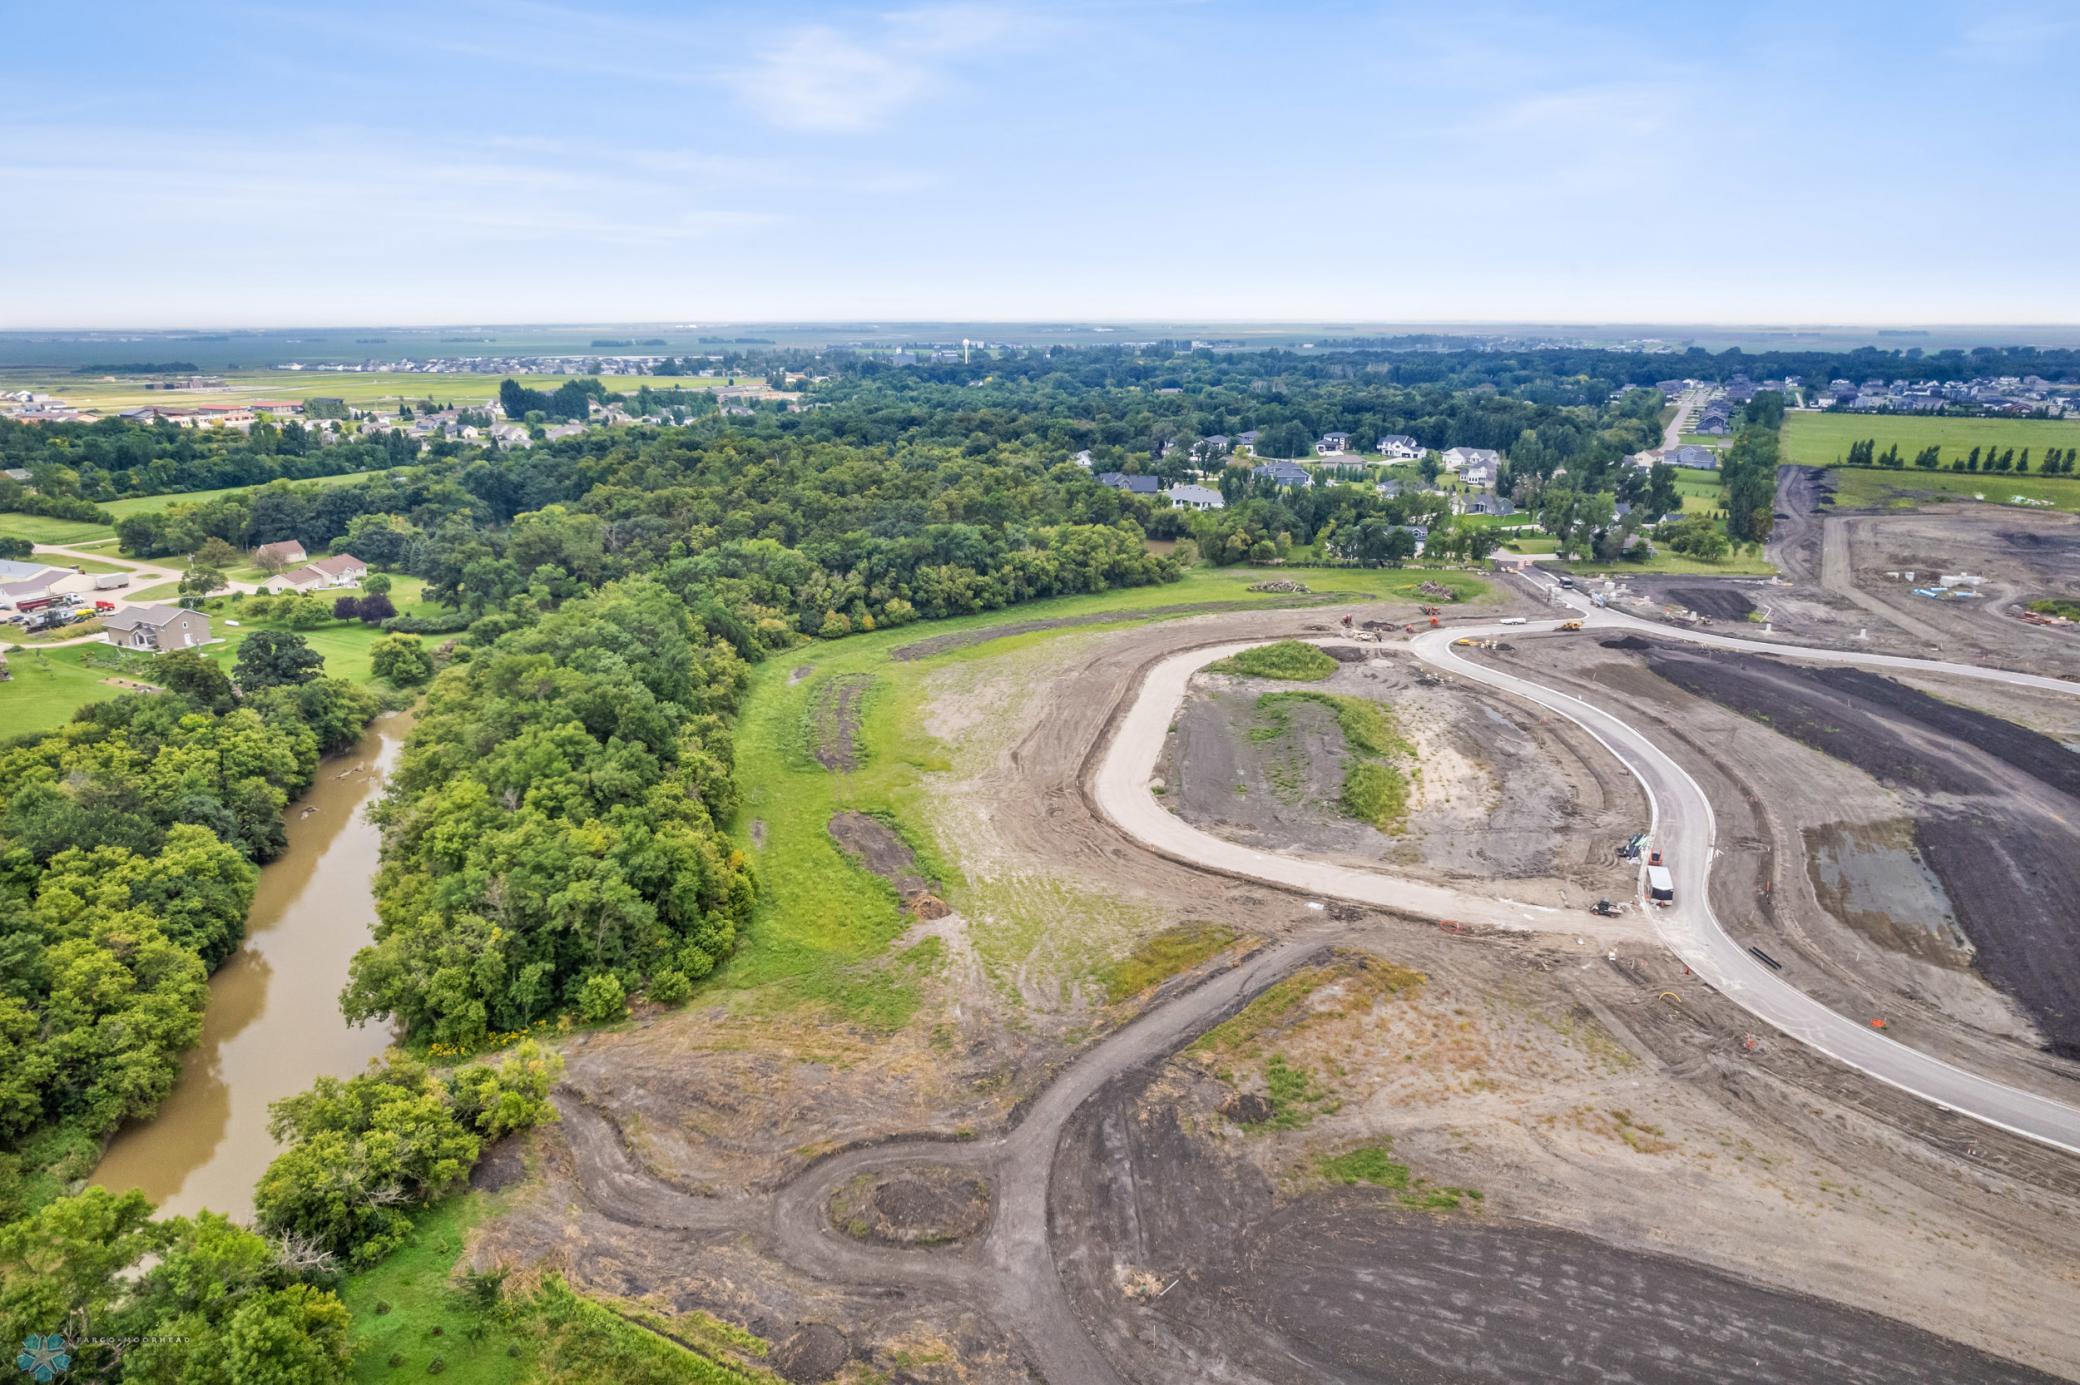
[
  {"x": 1279, "y": 585},
  {"x": 912, "y": 1207},
  {"x": 875, "y": 845},
  {"x": 1344, "y": 653},
  {"x": 501, "y": 1166},
  {"x": 1720, "y": 603},
  {"x": 815, "y": 1351},
  {"x": 1630, "y": 643},
  {"x": 1246, "y": 1108},
  {"x": 834, "y": 722},
  {"x": 1437, "y": 591}
]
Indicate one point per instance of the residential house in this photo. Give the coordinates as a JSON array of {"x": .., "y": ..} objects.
[
  {"x": 1388, "y": 489},
  {"x": 1210, "y": 447},
  {"x": 1247, "y": 440},
  {"x": 286, "y": 553},
  {"x": 156, "y": 628},
  {"x": 1133, "y": 485},
  {"x": 1479, "y": 475},
  {"x": 1282, "y": 473},
  {"x": 1690, "y": 454},
  {"x": 1083, "y": 459},
  {"x": 1421, "y": 534},
  {"x": 17, "y": 473},
  {"x": 1399, "y": 447},
  {"x": 1333, "y": 444},
  {"x": 1195, "y": 498},
  {"x": 342, "y": 570},
  {"x": 1457, "y": 459},
  {"x": 1488, "y": 503}
]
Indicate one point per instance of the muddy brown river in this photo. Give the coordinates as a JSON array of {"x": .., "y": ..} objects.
[{"x": 273, "y": 1022}]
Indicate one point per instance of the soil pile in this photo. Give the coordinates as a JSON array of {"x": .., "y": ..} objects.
[
  {"x": 912, "y": 1207},
  {"x": 876, "y": 846}
]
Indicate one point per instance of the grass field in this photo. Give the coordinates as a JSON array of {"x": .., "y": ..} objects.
[
  {"x": 360, "y": 389},
  {"x": 1863, "y": 488},
  {"x": 824, "y": 924},
  {"x": 1822, "y": 439},
  {"x": 1663, "y": 561},
  {"x": 43, "y": 529}
]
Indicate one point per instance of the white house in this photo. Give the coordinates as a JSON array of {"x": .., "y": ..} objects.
[
  {"x": 1459, "y": 458},
  {"x": 344, "y": 570},
  {"x": 1333, "y": 444},
  {"x": 1195, "y": 498},
  {"x": 1399, "y": 447}
]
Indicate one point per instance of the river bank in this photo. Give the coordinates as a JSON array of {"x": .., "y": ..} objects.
[{"x": 273, "y": 1021}]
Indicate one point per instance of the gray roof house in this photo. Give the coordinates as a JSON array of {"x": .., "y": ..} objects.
[
  {"x": 1283, "y": 473},
  {"x": 1690, "y": 454},
  {"x": 1133, "y": 485},
  {"x": 1458, "y": 458},
  {"x": 1195, "y": 498},
  {"x": 1400, "y": 446},
  {"x": 1482, "y": 503},
  {"x": 156, "y": 628},
  {"x": 1333, "y": 443}
]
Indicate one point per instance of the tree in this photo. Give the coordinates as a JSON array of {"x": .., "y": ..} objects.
[
  {"x": 346, "y": 608},
  {"x": 276, "y": 658},
  {"x": 376, "y": 584},
  {"x": 200, "y": 680},
  {"x": 199, "y": 581},
  {"x": 374, "y": 610},
  {"x": 402, "y": 660},
  {"x": 216, "y": 553}
]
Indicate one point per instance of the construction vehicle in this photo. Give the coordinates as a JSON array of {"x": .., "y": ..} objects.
[
  {"x": 1654, "y": 858},
  {"x": 1661, "y": 886},
  {"x": 1571, "y": 625},
  {"x": 1606, "y": 908},
  {"x": 104, "y": 605},
  {"x": 1433, "y": 610}
]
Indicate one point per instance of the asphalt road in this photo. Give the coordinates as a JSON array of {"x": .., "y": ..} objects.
[{"x": 1684, "y": 830}]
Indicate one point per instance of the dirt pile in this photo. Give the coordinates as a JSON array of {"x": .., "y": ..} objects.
[
  {"x": 928, "y": 1206},
  {"x": 1718, "y": 602},
  {"x": 1437, "y": 591},
  {"x": 875, "y": 845},
  {"x": 814, "y": 1351},
  {"x": 1278, "y": 585}
]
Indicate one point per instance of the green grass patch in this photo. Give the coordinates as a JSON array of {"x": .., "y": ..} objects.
[
  {"x": 1286, "y": 659},
  {"x": 413, "y": 1308},
  {"x": 1156, "y": 959},
  {"x": 1375, "y": 1165},
  {"x": 1377, "y": 793},
  {"x": 1823, "y": 439},
  {"x": 1287, "y": 1004},
  {"x": 48, "y": 686},
  {"x": 1867, "y": 488},
  {"x": 44, "y": 529},
  {"x": 2056, "y": 606},
  {"x": 1375, "y": 786}
]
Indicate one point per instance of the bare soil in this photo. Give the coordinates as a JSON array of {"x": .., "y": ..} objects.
[
  {"x": 877, "y": 847},
  {"x": 921, "y": 1206},
  {"x": 1502, "y": 796},
  {"x": 834, "y": 721}
]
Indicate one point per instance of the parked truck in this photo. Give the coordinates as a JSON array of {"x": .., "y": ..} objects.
[
  {"x": 109, "y": 581},
  {"x": 1661, "y": 886}
]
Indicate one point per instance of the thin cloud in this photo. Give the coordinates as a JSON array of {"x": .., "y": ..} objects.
[{"x": 820, "y": 78}]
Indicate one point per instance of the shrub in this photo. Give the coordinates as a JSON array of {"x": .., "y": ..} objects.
[
  {"x": 601, "y": 998},
  {"x": 670, "y": 987}
]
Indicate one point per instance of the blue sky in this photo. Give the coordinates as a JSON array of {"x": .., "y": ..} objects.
[{"x": 299, "y": 163}]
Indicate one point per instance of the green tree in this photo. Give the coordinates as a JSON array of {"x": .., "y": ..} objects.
[
  {"x": 275, "y": 658},
  {"x": 402, "y": 660}
]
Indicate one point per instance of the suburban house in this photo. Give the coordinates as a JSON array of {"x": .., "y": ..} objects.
[
  {"x": 1486, "y": 503},
  {"x": 1479, "y": 475},
  {"x": 1132, "y": 485},
  {"x": 1460, "y": 458},
  {"x": 1195, "y": 498},
  {"x": 344, "y": 570},
  {"x": 1399, "y": 447},
  {"x": 1248, "y": 439},
  {"x": 1333, "y": 444},
  {"x": 1282, "y": 474},
  {"x": 284, "y": 552},
  {"x": 156, "y": 628},
  {"x": 1421, "y": 534},
  {"x": 1207, "y": 448},
  {"x": 1389, "y": 489},
  {"x": 1690, "y": 454}
]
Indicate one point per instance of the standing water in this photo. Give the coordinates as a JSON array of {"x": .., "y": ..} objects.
[{"x": 273, "y": 1021}]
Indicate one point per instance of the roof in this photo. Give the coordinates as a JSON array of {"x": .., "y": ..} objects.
[
  {"x": 342, "y": 563},
  {"x": 1137, "y": 485},
  {"x": 1194, "y": 495},
  {"x": 130, "y": 617},
  {"x": 280, "y": 546},
  {"x": 11, "y": 571}
]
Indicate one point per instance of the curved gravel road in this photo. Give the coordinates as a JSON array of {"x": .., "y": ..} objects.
[{"x": 1684, "y": 829}]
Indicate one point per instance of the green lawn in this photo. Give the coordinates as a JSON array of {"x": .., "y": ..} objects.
[
  {"x": 1823, "y": 439},
  {"x": 1863, "y": 488},
  {"x": 43, "y": 529},
  {"x": 153, "y": 504},
  {"x": 48, "y": 685},
  {"x": 824, "y": 924},
  {"x": 1663, "y": 561}
]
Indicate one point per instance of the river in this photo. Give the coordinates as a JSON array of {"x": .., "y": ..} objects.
[{"x": 273, "y": 1021}]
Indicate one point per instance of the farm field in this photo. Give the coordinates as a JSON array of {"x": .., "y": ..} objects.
[
  {"x": 1823, "y": 439},
  {"x": 1865, "y": 488},
  {"x": 103, "y": 394}
]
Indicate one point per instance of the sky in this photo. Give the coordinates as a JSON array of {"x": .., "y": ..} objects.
[{"x": 298, "y": 163}]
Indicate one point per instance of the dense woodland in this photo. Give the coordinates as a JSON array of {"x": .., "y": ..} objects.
[{"x": 554, "y": 838}]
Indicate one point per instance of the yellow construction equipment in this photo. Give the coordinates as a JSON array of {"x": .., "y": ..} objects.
[{"x": 1571, "y": 625}]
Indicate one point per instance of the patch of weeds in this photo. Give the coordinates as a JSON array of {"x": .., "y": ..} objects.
[
  {"x": 1293, "y": 1096},
  {"x": 1361, "y": 981},
  {"x": 1287, "y": 659},
  {"x": 1375, "y": 1165},
  {"x": 1375, "y": 786},
  {"x": 1157, "y": 958}
]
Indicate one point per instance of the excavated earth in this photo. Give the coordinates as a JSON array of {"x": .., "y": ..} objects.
[{"x": 1663, "y": 1190}]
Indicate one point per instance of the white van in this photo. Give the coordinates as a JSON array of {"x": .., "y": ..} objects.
[{"x": 1661, "y": 886}]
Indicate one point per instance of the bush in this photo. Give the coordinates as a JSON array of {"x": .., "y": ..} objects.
[
  {"x": 601, "y": 998},
  {"x": 401, "y": 659},
  {"x": 670, "y": 987}
]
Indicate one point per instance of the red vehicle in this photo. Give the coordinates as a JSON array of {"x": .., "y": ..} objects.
[
  {"x": 1653, "y": 858},
  {"x": 104, "y": 605}
]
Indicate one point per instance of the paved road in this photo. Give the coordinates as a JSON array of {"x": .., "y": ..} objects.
[
  {"x": 142, "y": 575},
  {"x": 1684, "y": 829}
]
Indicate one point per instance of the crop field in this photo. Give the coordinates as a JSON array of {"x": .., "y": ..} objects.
[
  {"x": 362, "y": 389},
  {"x": 1823, "y": 439},
  {"x": 1865, "y": 488}
]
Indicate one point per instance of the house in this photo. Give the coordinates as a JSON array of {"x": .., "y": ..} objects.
[
  {"x": 1083, "y": 459},
  {"x": 1282, "y": 474},
  {"x": 1388, "y": 489},
  {"x": 1486, "y": 503},
  {"x": 1132, "y": 485},
  {"x": 1399, "y": 447},
  {"x": 1207, "y": 448},
  {"x": 1459, "y": 458},
  {"x": 1333, "y": 444},
  {"x": 1195, "y": 498},
  {"x": 285, "y": 553},
  {"x": 1421, "y": 534},
  {"x": 156, "y": 628},
  {"x": 17, "y": 473},
  {"x": 1690, "y": 454},
  {"x": 1248, "y": 439},
  {"x": 343, "y": 570},
  {"x": 1479, "y": 475}
]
